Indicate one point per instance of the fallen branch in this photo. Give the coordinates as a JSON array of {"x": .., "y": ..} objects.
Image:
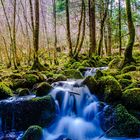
[
  {"x": 105, "y": 133},
  {"x": 71, "y": 92}
]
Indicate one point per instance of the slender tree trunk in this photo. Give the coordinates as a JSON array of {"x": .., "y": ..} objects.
[
  {"x": 68, "y": 29},
  {"x": 103, "y": 19},
  {"x": 110, "y": 30},
  {"x": 92, "y": 27},
  {"x": 14, "y": 37},
  {"x": 55, "y": 32},
  {"x": 128, "y": 58},
  {"x": 120, "y": 29}
]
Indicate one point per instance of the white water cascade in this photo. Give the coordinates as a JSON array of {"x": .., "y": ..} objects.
[{"x": 77, "y": 113}]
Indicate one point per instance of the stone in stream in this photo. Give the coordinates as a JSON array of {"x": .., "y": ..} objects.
[
  {"x": 20, "y": 113},
  {"x": 122, "y": 123},
  {"x": 33, "y": 133}
]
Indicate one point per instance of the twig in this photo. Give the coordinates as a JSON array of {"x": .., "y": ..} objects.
[{"x": 105, "y": 133}]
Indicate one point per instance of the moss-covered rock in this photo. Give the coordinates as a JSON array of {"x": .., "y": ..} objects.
[
  {"x": 19, "y": 83},
  {"x": 122, "y": 123},
  {"x": 60, "y": 77},
  {"x": 112, "y": 72},
  {"x": 124, "y": 76},
  {"x": 109, "y": 89},
  {"x": 23, "y": 91},
  {"x": 135, "y": 84},
  {"x": 43, "y": 89},
  {"x": 15, "y": 76},
  {"x": 33, "y": 133},
  {"x": 115, "y": 63},
  {"x": 129, "y": 68},
  {"x": 31, "y": 79},
  {"x": 29, "y": 111},
  {"x": 131, "y": 98},
  {"x": 124, "y": 83},
  {"x": 98, "y": 74},
  {"x": 91, "y": 83},
  {"x": 72, "y": 74},
  {"x": 5, "y": 91}
]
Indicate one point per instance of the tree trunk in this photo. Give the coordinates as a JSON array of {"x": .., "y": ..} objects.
[
  {"x": 92, "y": 27},
  {"x": 120, "y": 29},
  {"x": 128, "y": 58},
  {"x": 68, "y": 29}
]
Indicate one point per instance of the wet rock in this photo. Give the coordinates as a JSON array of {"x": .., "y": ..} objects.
[
  {"x": 91, "y": 83},
  {"x": 20, "y": 113},
  {"x": 122, "y": 123},
  {"x": 5, "y": 91},
  {"x": 43, "y": 89},
  {"x": 33, "y": 133},
  {"x": 23, "y": 91},
  {"x": 72, "y": 74},
  {"x": 131, "y": 98},
  {"x": 109, "y": 89}
]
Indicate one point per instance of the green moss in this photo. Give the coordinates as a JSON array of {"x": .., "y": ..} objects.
[
  {"x": 115, "y": 63},
  {"x": 33, "y": 133},
  {"x": 131, "y": 98},
  {"x": 43, "y": 89},
  {"x": 23, "y": 91},
  {"x": 112, "y": 72},
  {"x": 19, "y": 83},
  {"x": 31, "y": 78},
  {"x": 76, "y": 65},
  {"x": 109, "y": 88},
  {"x": 98, "y": 74},
  {"x": 135, "y": 84},
  {"x": 5, "y": 91},
  {"x": 129, "y": 68},
  {"x": 124, "y": 83},
  {"x": 125, "y": 123},
  {"x": 124, "y": 76},
  {"x": 60, "y": 77},
  {"x": 91, "y": 83},
  {"x": 72, "y": 74},
  {"x": 15, "y": 76}
]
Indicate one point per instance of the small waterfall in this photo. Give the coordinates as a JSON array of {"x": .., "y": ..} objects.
[
  {"x": 78, "y": 113},
  {"x": 92, "y": 71}
]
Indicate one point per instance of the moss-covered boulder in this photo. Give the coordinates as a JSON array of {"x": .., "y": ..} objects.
[
  {"x": 23, "y": 91},
  {"x": 19, "y": 83},
  {"x": 43, "y": 89},
  {"x": 109, "y": 89},
  {"x": 124, "y": 83},
  {"x": 135, "y": 84},
  {"x": 91, "y": 83},
  {"x": 115, "y": 63},
  {"x": 33, "y": 133},
  {"x": 98, "y": 74},
  {"x": 131, "y": 98},
  {"x": 5, "y": 91},
  {"x": 60, "y": 77},
  {"x": 72, "y": 74},
  {"x": 29, "y": 111},
  {"x": 122, "y": 123},
  {"x": 124, "y": 76},
  {"x": 31, "y": 79},
  {"x": 129, "y": 68}
]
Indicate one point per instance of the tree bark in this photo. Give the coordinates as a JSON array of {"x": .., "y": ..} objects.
[
  {"x": 68, "y": 29},
  {"x": 128, "y": 58},
  {"x": 92, "y": 27}
]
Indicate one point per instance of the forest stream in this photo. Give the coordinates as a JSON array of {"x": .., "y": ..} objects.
[{"x": 77, "y": 113}]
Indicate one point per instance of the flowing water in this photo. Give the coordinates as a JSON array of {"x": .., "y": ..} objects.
[{"x": 77, "y": 113}]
